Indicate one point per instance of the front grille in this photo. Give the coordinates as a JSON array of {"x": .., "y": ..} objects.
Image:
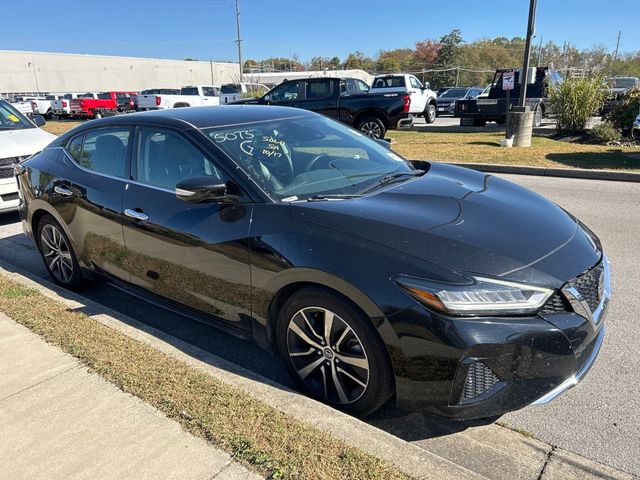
[
  {"x": 556, "y": 304},
  {"x": 480, "y": 379},
  {"x": 590, "y": 285},
  {"x": 7, "y": 165},
  {"x": 10, "y": 197}
]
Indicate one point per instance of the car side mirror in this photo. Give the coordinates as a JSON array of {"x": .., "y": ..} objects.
[
  {"x": 38, "y": 120},
  {"x": 205, "y": 190}
]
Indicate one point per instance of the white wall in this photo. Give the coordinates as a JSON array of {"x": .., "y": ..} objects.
[{"x": 58, "y": 72}]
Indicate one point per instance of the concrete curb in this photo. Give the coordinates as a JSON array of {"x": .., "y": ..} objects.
[
  {"x": 457, "y": 456},
  {"x": 554, "y": 172}
]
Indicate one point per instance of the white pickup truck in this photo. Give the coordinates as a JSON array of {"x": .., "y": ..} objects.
[
  {"x": 62, "y": 107},
  {"x": 190, "y": 96},
  {"x": 232, "y": 92},
  {"x": 43, "y": 105},
  {"x": 423, "y": 99}
]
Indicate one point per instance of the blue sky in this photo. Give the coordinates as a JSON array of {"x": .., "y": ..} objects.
[{"x": 205, "y": 29}]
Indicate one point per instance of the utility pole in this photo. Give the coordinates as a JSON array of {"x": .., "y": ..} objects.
[
  {"x": 524, "y": 77},
  {"x": 615, "y": 57},
  {"x": 457, "y": 75},
  {"x": 239, "y": 40},
  {"x": 540, "y": 52}
]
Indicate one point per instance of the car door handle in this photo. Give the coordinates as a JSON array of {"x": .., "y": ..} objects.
[
  {"x": 63, "y": 190},
  {"x": 135, "y": 214}
]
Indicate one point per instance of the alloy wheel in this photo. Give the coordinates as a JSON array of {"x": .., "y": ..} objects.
[
  {"x": 56, "y": 253},
  {"x": 371, "y": 129},
  {"x": 327, "y": 355}
]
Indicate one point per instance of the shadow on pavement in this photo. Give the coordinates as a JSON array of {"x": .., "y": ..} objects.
[
  {"x": 254, "y": 362},
  {"x": 612, "y": 159}
]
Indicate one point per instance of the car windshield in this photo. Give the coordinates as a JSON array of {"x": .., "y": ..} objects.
[
  {"x": 307, "y": 156},
  {"x": 624, "y": 82},
  {"x": 454, "y": 93},
  {"x": 12, "y": 119}
]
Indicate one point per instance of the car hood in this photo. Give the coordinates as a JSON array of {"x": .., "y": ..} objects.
[
  {"x": 24, "y": 142},
  {"x": 466, "y": 221}
]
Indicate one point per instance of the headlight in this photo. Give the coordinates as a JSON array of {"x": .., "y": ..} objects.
[{"x": 480, "y": 296}]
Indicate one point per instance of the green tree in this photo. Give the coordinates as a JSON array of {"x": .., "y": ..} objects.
[
  {"x": 358, "y": 60},
  {"x": 449, "y": 57}
]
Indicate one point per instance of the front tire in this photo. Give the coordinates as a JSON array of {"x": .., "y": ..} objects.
[
  {"x": 372, "y": 127},
  {"x": 97, "y": 115},
  {"x": 333, "y": 352},
  {"x": 430, "y": 113},
  {"x": 57, "y": 254}
]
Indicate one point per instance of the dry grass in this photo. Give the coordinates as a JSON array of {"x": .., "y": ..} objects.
[
  {"x": 485, "y": 148},
  {"x": 254, "y": 433},
  {"x": 58, "y": 127}
]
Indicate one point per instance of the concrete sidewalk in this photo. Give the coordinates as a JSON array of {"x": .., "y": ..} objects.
[
  {"x": 487, "y": 452},
  {"x": 59, "y": 421}
]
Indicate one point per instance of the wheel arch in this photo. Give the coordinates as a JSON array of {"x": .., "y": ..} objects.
[
  {"x": 372, "y": 113},
  {"x": 288, "y": 282}
]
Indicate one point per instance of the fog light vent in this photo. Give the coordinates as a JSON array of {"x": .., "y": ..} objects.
[{"x": 480, "y": 379}]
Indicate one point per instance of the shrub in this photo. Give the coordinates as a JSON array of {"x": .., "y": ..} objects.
[
  {"x": 575, "y": 101},
  {"x": 627, "y": 110},
  {"x": 605, "y": 133}
]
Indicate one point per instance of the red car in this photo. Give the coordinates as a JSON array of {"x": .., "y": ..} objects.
[{"x": 106, "y": 101}]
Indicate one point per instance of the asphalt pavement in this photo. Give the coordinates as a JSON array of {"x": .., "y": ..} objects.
[{"x": 598, "y": 419}]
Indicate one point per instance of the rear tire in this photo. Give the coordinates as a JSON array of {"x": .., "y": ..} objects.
[
  {"x": 333, "y": 352},
  {"x": 372, "y": 127},
  {"x": 537, "y": 117},
  {"x": 97, "y": 115},
  {"x": 430, "y": 113},
  {"x": 58, "y": 255}
]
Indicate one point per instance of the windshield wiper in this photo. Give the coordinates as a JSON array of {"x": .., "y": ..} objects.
[
  {"x": 390, "y": 178},
  {"x": 331, "y": 196}
]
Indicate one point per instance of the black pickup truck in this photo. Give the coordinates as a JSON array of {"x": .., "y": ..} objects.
[
  {"x": 493, "y": 108},
  {"x": 344, "y": 99}
]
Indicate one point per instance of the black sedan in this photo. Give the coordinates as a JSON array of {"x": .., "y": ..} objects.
[{"x": 372, "y": 277}]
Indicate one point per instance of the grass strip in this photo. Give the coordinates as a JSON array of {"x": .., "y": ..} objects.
[
  {"x": 254, "y": 433},
  {"x": 484, "y": 147}
]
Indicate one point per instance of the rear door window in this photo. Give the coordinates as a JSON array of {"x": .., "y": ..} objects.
[
  {"x": 317, "y": 90},
  {"x": 103, "y": 151}
]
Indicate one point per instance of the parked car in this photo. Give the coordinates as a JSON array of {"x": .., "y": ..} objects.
[
  {"x": 342, "y": 99},
  {"x": 442, "y": 288},
  {"x": 20, "y": 137},
  {"x": 423, "y": 99},
  {"x": 635, "y": 130},
  {"x": 105, "y": 102},
  {"x": 61, "y": 108},
  {"x": 161, "y": 91},
  {"x": 493, "y": 108},
  {"x": 231, "y": 92},
  {"x": 191, "y": 96},
  {"x": 447, "y": 100},
  {"x": 25, "y": 107},
  {"x": 617, "y": 87},
  {"x": 44, "y": 105}
]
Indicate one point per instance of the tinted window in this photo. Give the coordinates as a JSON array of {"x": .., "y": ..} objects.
[
  {"x": 86, "y": 95},
  {"x": 389, "y": 82},
  {"x": 189, "y": 91},
  {"x": 230, "y": 88},
  {"x": 415, "y": 83},
  {"x": 104, "y": 96},
  {"x": 286, "y": 92},
  {"x": 209, "y": 92},
  {"x": 167, "y": 157},
  {"x": 75, "y": 147},
  {"x": 317, "y": 90},
  {"x": 105, "y": 151}
]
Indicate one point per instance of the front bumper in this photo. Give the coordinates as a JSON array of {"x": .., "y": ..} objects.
[
  {"x": 466, "y": 368},
  {"x": 8, "y": 195}
]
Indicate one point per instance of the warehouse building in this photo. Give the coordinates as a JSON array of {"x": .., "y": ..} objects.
[{"x": 38, "y": 72}]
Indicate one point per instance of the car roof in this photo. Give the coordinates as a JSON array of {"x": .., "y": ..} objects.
[{"x": 198, "y": 117}]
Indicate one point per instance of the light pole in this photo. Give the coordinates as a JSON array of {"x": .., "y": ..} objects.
[
  {"x": 520, "y": 117},
  {"x": 239, "y": 40},
  {"x": 35, "y": 75},
  {"x": 524, "y": 78}
]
